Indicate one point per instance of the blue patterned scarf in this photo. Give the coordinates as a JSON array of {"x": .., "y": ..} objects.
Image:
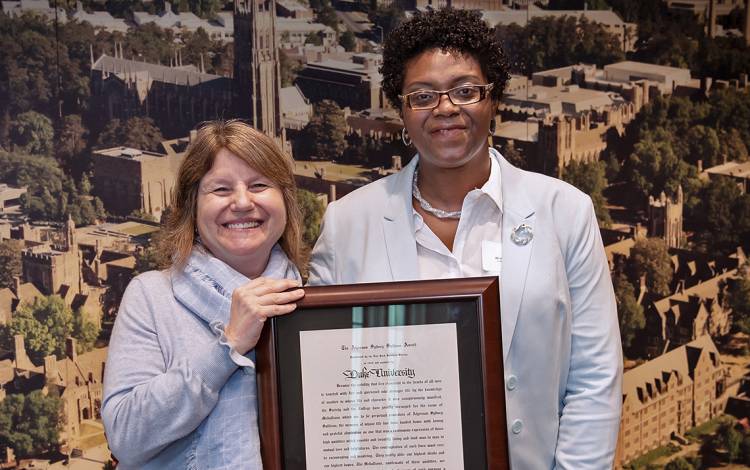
[{"x": 228, "y": 437}]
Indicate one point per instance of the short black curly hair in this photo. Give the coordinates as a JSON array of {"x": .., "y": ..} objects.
[{"x": 448, "y": 29}]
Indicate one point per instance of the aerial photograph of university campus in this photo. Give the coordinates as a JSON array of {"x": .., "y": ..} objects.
[{"x": 642, "y": 104}]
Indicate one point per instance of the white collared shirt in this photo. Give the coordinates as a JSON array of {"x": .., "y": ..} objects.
[{"x": 480, "y": 225}]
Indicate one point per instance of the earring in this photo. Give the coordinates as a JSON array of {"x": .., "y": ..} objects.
[
  {"x": 405, "y": 137},
  {"x": 493, "y": 126}
]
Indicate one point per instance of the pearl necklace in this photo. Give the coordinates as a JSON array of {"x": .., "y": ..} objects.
[{"x": 439, "y": 213}]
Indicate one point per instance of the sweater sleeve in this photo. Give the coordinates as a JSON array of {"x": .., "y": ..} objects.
[
  {"x": 590, "y": 418},
  {"x": 148, "y": 404}
]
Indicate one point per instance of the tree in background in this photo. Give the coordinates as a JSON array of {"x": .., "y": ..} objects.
[
  {"x": 41, "y": 175},
  {"x": 738, "y": 300},
  {"x": 45, "y": 324},
  {"x": 51, "y": 194},
  {"x": 288, "y": 69},
  {"x": 375, "y": 152},
  {"x": 147, "y": 43},
  {"x": 654, "y": 167},
  {"x": 649, "y": 257},
  {"x": 629, "y": 311},
  {"x": 198, "y": 48},
  {"x": 732, "y": 145},
  {"x": 387, "y": 17},
  {"x": 325, "y": 14},
  {"x": 32, "y": 133},
  {"x": 137, "y": 132},
  {"x": 151, "y": 257},
  {"x": 727, "y": 438},
  {"x": 348, "y": 41},
  {"x": 10, "y": 260},
  {"x": 722, "y": 219},
  {"x": 325, "y": 134},
  {"x": 730, "y": 109},
  {"x": 312, "y": 215},
  {"x": 29, "y": 72},
  {"x": 70, "y": 144},
  {"x": 680, "y": 463},
  {"x": 30, "y": 424},
  {"x": 700, "y": 143},
  {"x": 547, "y": 42},
  {"x": 314, "y": 38},
  {"x": 205, "y": 8},
  {"x": 514, "y": 155},
  {"x": 589, "y": 177},
  {"x": 85, "y": 332}
]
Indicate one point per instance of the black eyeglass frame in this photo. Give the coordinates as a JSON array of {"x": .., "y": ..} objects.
[{"x": 483, "y": 90}]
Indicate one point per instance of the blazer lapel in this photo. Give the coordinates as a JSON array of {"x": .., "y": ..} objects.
[
  {"x": 398, "y": 227},
  {"x": 398, "y": 230},
  {"x": 517, "y": 210}
]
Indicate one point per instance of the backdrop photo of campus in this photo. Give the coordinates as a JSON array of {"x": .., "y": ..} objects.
[{"x": 642, "y": 104}]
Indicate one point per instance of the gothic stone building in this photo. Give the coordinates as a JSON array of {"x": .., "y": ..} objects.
[
  {"x": 176, "y": 98},
  {"x": 75, "y": 378},
  {"x": 128, "y": 180},
  {"x": 669, "y": 395},
  {"x": 257, "y": 83}
]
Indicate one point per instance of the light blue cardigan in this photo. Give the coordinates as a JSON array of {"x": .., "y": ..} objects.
[{"x": 173, "y": 396}]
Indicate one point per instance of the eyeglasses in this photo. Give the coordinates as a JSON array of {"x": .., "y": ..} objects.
[{"x": 461, "y": 95}]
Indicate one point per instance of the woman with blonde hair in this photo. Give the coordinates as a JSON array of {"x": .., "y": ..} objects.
[{"x": 179, "y": 385}]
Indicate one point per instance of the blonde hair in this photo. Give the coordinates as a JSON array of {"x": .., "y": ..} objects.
[{"x": 253, "y": 147}]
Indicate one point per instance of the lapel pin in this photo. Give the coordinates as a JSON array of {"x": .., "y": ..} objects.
[{"x": 522, "y": 234}]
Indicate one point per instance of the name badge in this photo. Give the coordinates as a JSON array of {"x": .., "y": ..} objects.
[{"x": 492, "y": 256}]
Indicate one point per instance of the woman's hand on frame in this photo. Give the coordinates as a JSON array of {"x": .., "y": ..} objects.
[{"x": 253, "y": 303}]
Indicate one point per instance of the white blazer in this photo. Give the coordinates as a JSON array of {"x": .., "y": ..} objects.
[{"x": 561, "y": 340}]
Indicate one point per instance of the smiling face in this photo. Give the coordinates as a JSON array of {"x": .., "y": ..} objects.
[
  {"x": 447, "y": 136},
  {"x": 240, "y": 214}
]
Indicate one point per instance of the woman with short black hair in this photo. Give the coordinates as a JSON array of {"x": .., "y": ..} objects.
[{"x": 459, "y": 209}]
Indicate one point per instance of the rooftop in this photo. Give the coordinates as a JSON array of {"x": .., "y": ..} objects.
[
  {"x": 300, "y": 25},
  {"x": 10, "y": 192},
  {"x": 115, "y": 236},
  {"x": 155, "y": 72},
  {"x": 569, "y": 99},
  {"x": 341, "y": 66},
  {"x": 42, "y": 7},
  {"x": 99, "y": 19},
  {"x": 523, "y": 131},
  {"x": 292, "y": 5},
  {"x": 333, "y": 172},
  {"x": 650, "y": 69},
  {"x": 661, "y": 368},
  {"x": 170, "y": 19},
  {"x": 291, "y": 98},
  {"x": 129, "y": 153},
  {"x": 733, "y": 168}
]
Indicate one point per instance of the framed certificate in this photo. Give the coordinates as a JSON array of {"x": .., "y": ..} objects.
[{"x": 401, "y": 375}]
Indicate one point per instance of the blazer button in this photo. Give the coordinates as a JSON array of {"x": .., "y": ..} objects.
[
  {"x": 511, "y": 382},
  {"x": 517, "y": 426}
]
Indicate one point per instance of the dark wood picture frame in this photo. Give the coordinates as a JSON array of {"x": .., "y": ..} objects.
[{"x": 483, "y": 292}]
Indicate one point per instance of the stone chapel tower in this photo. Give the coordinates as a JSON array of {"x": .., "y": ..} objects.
[
  {"x": 257, "y": 79},
  {"x": 665, "y": 218}
]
